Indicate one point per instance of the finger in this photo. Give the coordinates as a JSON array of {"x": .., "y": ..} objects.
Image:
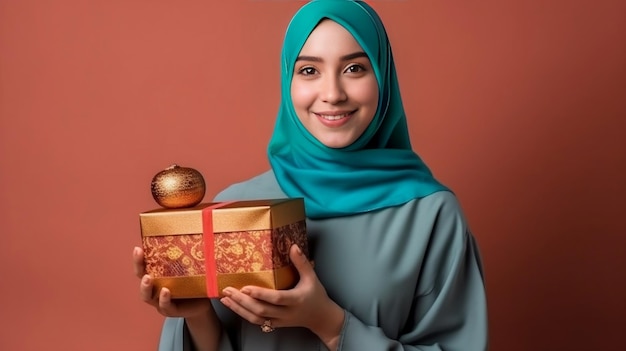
[
  {"x": 146, "y": 289},
  {"x": 243, "y": 312},
  {"x": 138, "y": 263},
  {"x": 300, "y": 261},
  {"x": 259, "y": 307},
  {"x": 269, "y": 296},
  {"x": 166, "y": 307},
  {"x": 290, "y": 296}
]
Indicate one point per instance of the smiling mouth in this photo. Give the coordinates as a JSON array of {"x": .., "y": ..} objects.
[{"x": 334, "y": 116}]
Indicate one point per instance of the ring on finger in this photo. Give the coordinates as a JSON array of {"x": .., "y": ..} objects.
[{"x": 266, "y": 327}]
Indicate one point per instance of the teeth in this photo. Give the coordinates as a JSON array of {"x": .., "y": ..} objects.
[{"x": 334, "y": 118}]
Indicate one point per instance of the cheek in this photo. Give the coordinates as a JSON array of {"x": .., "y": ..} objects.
[
  {"x": 302, "y": 96},
  {"x": 366, "y": 93}
]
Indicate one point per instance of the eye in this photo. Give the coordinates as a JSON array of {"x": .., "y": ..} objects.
[
  {"x": 355, "y": 69},
  {"x": 307, "y": 71}
]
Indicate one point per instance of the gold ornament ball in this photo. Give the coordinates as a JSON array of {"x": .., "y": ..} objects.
[{"x": 178, "y": 187}]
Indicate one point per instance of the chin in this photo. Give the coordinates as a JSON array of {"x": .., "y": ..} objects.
[
  {"x": 336, "y": 144},
  {"x": 335, "y": 140}
]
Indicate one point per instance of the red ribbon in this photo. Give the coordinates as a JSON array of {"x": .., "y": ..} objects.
[{"x": 208, "y": 236}]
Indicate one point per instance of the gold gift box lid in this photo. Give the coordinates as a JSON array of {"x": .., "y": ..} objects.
[{"x": 233, "y": 216}]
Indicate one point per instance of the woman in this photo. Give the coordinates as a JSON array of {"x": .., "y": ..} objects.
[{"x": 396, "y": 267}]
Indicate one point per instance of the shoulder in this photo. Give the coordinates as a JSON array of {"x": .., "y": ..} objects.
[
  {"x": 262, "y": 186},
  {"x": 439, "y": 205},
  {"x": 442, "y": 214},
  {"x": 443, "y": 202}
]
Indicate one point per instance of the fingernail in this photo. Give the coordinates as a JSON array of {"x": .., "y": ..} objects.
[
  {"x": 136, "y": 251},
  {"x": 145, "y": 280},
  {"x": 226, "y": 292},
  {"x": 245, "y": 291},
  {"x": 298, "y": 250}
]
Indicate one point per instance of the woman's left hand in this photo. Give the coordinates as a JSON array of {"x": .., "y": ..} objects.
[{"x": 306, "y": 305}]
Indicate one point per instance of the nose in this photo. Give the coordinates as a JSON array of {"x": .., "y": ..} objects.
[{"x": 332, "y": 90}]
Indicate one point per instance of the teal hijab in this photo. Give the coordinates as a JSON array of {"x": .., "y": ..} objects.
[{"x": 380, "y": 168}]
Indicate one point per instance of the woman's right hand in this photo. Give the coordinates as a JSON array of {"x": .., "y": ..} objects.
[{"x": 161, "y": 300}]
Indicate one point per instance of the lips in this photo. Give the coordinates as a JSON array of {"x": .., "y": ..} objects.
[{"x": 334, "y": 118}]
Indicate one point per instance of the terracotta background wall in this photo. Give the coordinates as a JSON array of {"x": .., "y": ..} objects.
[{"x": 520, "y": 106}]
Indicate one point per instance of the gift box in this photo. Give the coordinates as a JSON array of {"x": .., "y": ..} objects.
[{"x": 198, "y": 251}]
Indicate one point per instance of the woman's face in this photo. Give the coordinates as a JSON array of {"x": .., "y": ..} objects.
[{"x": 334, "y": 88}]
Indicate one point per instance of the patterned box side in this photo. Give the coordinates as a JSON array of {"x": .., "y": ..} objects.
[
  {"x": 174, "y": 255},
  {"x": 285, "y": 236},
  {"x": 235, "y": 252}
]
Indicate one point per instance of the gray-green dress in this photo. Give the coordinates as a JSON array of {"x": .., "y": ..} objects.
[{"x": 408, "y": 277}]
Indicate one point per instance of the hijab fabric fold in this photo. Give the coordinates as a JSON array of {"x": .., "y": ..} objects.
[{"x": 379, "y": 169}]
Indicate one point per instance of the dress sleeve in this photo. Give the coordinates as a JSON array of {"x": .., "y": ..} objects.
[{"x": 449, "y": 308}]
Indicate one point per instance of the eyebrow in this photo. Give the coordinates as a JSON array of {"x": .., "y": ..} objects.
[{"x": 343, "y": 58}]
